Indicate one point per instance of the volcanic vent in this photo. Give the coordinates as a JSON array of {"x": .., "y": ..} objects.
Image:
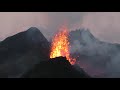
[{"x": 60, "y": 45}]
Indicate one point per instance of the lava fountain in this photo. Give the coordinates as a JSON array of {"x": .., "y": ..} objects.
[{"x": 60, "y": 45}]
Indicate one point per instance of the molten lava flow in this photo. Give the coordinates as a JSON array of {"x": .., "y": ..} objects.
[{"x": 60, "y": 46}]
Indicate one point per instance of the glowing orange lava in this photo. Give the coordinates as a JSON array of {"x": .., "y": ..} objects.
[{"x": 60, "y": 45}]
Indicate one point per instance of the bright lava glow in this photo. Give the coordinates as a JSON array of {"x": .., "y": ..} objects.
[{"x": 60, "y": 46}]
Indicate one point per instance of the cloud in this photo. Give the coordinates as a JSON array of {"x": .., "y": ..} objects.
[
  {"x": 48, "y": 22},
  {"x": 103, "y": 25},
  {"x": 57, "y": 19}
]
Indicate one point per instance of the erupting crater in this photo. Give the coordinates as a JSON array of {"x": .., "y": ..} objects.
[{"x": 60, "y": 45}]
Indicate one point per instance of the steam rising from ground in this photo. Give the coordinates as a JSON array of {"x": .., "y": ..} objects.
[{"x": 103, "y": 59}]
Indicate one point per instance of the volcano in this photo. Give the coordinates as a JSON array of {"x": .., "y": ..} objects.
[
  {"x": 21, "y": 52},
  {"x": 58, "y": 67},
  {"x": 26, "y": 55}
]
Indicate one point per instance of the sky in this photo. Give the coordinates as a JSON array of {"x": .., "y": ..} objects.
[{"x": 103, "y": 25}]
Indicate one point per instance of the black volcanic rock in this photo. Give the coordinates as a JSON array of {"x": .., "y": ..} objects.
[
  {"x": 23, "y": 42},
  {"x": 21, "y": 52},
  {"x": 34, "y": 36},
  {"x": 55, "y": 68}
]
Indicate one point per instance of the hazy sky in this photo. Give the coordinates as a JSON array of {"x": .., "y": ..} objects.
[{"x": 104, "y": 25}]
